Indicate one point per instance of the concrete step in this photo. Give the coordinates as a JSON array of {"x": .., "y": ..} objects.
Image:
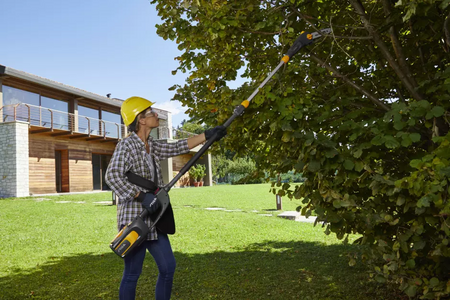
[
  {"x": 290, "y": 215},
  {"x": 296, "y": 216}
]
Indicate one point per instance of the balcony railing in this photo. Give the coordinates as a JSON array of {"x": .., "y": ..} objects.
[
  {"x": 52, "y": 120},
  {"x": 59, "y": 120},
  {"x": 178, "y": 134}
]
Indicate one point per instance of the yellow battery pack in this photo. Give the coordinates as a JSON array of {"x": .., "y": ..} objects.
[{"x": 129, "y": 237}]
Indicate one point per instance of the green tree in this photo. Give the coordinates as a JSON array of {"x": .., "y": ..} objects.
[
  {"x": 219, "y": 166},
  {"x": 240, "y": 170},
  {"x": 193, "y": 127},
  {"x": 233, "y": 170},
  {"x": 188, "y": 129},
  {"x": 363, "y": 115}
]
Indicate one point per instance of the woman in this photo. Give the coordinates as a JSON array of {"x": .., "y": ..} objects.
[{"x": 141, "y": 155}]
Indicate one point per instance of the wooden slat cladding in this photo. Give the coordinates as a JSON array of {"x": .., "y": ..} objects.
[
  {"x": 78, "y": 163},
  {"x": 185, "y": 180},
  {"x": 42, "y": 175},
  {"x": 178, "y": 162},
  {"x": 80, "y": 175}
]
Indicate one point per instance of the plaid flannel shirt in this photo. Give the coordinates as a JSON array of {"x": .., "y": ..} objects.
[{"x": 130, "y": 155}]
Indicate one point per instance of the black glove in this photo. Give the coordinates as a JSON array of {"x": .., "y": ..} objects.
[
  {"x": 149, "y": 202},
  {"x": 220, "y": 130}
]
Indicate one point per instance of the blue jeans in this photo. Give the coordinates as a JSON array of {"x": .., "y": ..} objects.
[{"x": 163, "y": 256}]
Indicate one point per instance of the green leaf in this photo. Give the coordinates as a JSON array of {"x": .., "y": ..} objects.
[
  {"x": 377, "y": 140},
  {"x": 444, "y": 4},
  {"x": 401, "y": 200},
  {"x": 287, "y": 126},
  {"x": 424, "y": 202},
  {"x": 445, "y": 171},
  {"x": 391, "y": 142},
  {"x": 438, "y": 111},
  {"x": 352, "y": 262},
  {"x": 337, "y": 203},
  {"x": 359, "y": 166},
  {"x": 429, "y": 115},
  {"x": 273, "y": 126},
  {"x": 331, "y": 153},
  {"x": 411, "y": 264},
  {"x": 434, "y": 282},
  {"x": 419, "y": 245},
  {"x": 358, "y": 153},
  {"x": 399, "y": 125},
  {"x": 380, "y": 278},
  {"x": 406, "y": 140},
  {"x": 346, "y": 203},
  {"x": 286, "y": 136},
  {"x": 348, "y": 164},
  {"x": 411, "y": 290},
  {"x": 415, "y": 163},
  {"x": 314, "y": 166}
]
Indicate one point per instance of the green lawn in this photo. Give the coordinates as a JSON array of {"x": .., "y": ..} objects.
[{"x": 57, "y": 248}]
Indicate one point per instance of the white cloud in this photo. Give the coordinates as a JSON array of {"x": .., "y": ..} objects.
[
  {"x": 172, "y": 106},
  {"x": 178, "y": 111}
]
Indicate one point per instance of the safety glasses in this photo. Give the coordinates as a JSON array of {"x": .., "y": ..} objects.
[{"x": 150, "y": 113}]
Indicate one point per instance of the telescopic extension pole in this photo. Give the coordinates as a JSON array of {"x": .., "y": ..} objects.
[
  {"x": 134, "y": 233},
  {"x": 304, "y": 39}
]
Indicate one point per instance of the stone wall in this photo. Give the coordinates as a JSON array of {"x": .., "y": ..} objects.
[{"x": 14, "y": 168}]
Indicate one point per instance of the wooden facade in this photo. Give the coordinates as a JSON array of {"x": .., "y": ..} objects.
[
  {"x": 178, "y": 163},
  {"x": 76, "y": 163},
  {"x": 63, "y": 158}
]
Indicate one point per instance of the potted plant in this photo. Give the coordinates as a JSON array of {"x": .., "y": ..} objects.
[
  {"x": 201, "y": 173},
  {"x": 193, "y": 172},
  {"x": 197, "y": 173}
]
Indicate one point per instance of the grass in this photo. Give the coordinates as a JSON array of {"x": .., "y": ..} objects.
[{"x": 57, "y": 248}]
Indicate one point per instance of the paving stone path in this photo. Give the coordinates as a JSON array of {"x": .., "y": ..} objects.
[{"x": 290, "y": 215}]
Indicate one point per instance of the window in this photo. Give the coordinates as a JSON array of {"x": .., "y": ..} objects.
[
  {"x": 91, "y": 125},
  {"x": 111, "y": 119},
  {"x": 37, "y": 113},
  {"x": 15, "y": 96},
  {"x": 12, "y": 96},
  {"x": 59, "y": 112}
]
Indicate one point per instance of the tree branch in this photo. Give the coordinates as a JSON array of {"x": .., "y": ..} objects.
[
  {"x": 422, "y": 58},
  {"x": 303, "y": 16},
  {"x": 384, "y": 49},
  {"x": 447, "y": 30},
  {"x": 259, "y": 32},
  {"x": 396, "y": 43},
  {"x": 351, "y": 37},
  {"x": 336, "y": 73}
]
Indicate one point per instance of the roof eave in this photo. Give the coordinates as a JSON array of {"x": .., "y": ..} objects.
[{"x": 59, "y": 86}]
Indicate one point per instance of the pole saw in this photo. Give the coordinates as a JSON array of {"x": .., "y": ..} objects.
[{"x": 136, "y": 231}]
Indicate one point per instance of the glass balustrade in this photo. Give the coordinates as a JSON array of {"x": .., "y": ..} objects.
[{"x": 58, "y": 120}]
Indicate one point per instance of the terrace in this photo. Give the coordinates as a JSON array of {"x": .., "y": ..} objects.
[{"x": 53, "y": 122}]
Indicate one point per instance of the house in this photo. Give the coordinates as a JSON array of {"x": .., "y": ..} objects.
[{"x": 55, "y": 138}]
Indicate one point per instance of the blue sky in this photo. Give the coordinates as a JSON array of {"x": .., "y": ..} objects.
[{"x": 101, "y": 46}]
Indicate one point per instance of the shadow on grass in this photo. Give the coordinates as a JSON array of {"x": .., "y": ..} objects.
[{"x": 270, "y": 270}]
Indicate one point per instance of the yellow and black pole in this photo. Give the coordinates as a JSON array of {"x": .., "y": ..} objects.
[
  {"x": 304, "y": 39},
  {"x": 135, "y": 232}
]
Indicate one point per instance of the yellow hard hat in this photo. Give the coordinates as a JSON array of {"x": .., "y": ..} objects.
[{"x": 132, "y": 107}]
